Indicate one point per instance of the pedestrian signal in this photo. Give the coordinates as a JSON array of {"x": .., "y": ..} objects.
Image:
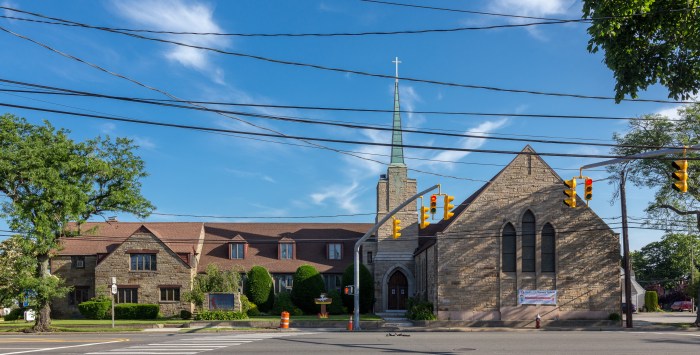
[
  {"x": 424, "y": 217},
  {"x": 433, "y": 205},
  {"x": 570, "y": 192},
  {"x": 396, "y": 228},
  {"x": 680, "y": 175},
  {"x": 588, "y": 195},
  {"x": 349, "y": 290},
  {"x": 447, "y": 208}
]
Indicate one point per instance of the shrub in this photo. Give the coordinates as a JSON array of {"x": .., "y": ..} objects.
[
  {"x": 185, "y": 314},
  {"x": 249, "y": 308},
  {"x": 220, "y": 315},
  {"x": 651, "y": 301},
  {"x": 615, "y": 316},
  {"x": 15, "y": 314},
  {"x": 366, "y": 288},
  {"x": 283, "y": 302},
  {"x": 419, "y": 310},
  {"x": 336, "y": 307},
  {"x": 136, "y": 311},
  {"x": 307, "y": 285},
  {"x": 96, "y": 309},
  {"x": 259, "y": 288}
]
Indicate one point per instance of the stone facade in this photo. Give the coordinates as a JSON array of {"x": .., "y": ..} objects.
[
  {"x": 469, "y": 279},
  {"x": 81, "y": 277}
]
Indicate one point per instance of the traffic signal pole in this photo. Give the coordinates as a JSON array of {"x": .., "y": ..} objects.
[
  {"x": 623, "y": 207},
  {"x": 356, "y": 281}
]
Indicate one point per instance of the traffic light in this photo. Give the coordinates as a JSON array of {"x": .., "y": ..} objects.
[
  {"x": 349, "y": 290},
  {"x": 681, "y": 174},
  {"x": 588, "y": 190},
  {"x": 433, "y": 204},
  {"x": 424, "y": 217},
  {"x": 448, "y": 206},
  {"x": 570, "y": 192},
  {"x": 396, "y": 228}
]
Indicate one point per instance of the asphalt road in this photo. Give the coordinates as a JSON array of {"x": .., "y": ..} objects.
[{"x": 309, "y": 342}]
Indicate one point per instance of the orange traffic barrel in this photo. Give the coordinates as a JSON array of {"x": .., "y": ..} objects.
[{"x": 284, "y": 321}]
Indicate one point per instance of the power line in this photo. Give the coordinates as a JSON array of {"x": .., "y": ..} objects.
[
  {"x": 329, "y": 140},
  {"x": 358, "y": 126},
  {"x": 334, "y": 69}
]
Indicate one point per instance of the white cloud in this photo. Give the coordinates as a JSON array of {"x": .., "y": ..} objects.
[
  {"x": 248, "y": 174},
  {"x": 108, "y": 128},
  {"x": 409, "y": 98},
  {"x": 366, "y": 168},
  {"x": 484, "y": 129},
  {"x": 342, "y": 195},
  {"x": 143, "y": 142},
  {"x": 534, "y": 8},
  {"x": 670, "y": 112},
  {"x": 8, "y": 12},
  {"x": 179, "y": 16}
]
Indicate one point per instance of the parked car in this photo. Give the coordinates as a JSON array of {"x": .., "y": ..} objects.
[
  {"x": 624, "y": 307},
  {"x": 681, "y": 306}
]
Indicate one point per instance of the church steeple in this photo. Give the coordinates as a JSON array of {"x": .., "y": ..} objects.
[{"x": 397, "y": 137}]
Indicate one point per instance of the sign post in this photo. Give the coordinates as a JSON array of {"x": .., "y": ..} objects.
[{"x": 114, "y": 292}]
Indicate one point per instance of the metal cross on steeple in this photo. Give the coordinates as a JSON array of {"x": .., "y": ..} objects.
[{"x": 397, "y": 62}]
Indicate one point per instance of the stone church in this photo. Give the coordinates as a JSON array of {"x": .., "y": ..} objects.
[
  {"x": 512, "y": 234},
  {"x": 512, "y": 237}
]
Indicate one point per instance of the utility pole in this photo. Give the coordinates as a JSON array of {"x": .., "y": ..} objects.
[
  {"x": 623, "y": 207},
  {"x": 692, "y": 256},
  {"x": 356, "y": 281}
]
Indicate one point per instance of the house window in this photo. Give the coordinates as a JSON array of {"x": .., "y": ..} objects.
[
  {"x": 508, "y": 247},
  {"x": 333, "y": 282},
  {"x": 127, "y": 295},
  {"x": 335, "y": 251},
  {"x": 548, "y": 247},
  {"x": 283, "y": 283},
  {"x": 237, "y": 251},
  {"x": 143, "y": 262},
  {"x": 369, "y": 257},
  {"x": 528, "y": 242},
  {"x": 169, "y": 294},
  {"x": 78, "y": 295},
  {"x": 286, "y": 251},
  {"x": 77, "y": 262}
]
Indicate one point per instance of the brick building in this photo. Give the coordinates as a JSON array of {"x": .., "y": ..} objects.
[{"x": 512, "y": 234}]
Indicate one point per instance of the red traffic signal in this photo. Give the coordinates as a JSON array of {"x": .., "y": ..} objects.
[
  {"x": 433, "y": 204},
  {"x": 588, "y": 194}
]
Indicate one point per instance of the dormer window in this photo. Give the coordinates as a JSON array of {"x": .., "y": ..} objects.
[
  {"x": 286, "y": 251},
  {"x": 334, "y": 251},
  {"x": 237, "y": 250},
  {"x": 78, "y": 262}
]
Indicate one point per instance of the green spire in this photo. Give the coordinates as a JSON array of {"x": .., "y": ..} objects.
[{"x": 397, "y": 138}]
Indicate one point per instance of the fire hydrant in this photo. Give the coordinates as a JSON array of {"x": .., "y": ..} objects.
[{"x": 537, "y": 321}]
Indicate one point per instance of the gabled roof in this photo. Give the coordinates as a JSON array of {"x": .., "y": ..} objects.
[{"x": 105, "y": 237}]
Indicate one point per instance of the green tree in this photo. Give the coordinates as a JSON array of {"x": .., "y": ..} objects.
[
  {"x": 366, "y": 288},
  {"x": 16, "y": 265},
  {"x": 661, "y": 46},
  {"x": 666, "y": 261},
  {"x": 259, "y": 288},
  {"x": 307, "y": 285},
  {"x": 213, "y": 280},
  {"x": 48, "y": 181}
]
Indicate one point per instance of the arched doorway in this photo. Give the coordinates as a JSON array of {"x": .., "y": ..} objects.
[{"x": 397, "y": 291}]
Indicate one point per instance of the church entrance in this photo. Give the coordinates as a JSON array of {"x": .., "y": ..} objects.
[{"x": 397, "y": 291}]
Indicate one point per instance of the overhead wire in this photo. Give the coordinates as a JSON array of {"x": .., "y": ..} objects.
[
  {"x": 327, "y": 68},
  {"x": 329, "y": 140}
]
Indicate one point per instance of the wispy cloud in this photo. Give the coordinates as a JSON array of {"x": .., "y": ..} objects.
[
  {"x": 178, "y": 15},
  {"x": 144, "y": 142},
  {"x": 409, "y": 99},
  {"x": 343, "y": 196},
  {"x": 484, "y": 129},
  {"x": 251, "y": 175},
  {"x": 670, "y": 112},
  {"x": 533, "y": 8},
  {"x": 8, "y": 12}
]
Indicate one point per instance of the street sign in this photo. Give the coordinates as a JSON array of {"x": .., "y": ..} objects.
[{"x": 114, "y": 289}]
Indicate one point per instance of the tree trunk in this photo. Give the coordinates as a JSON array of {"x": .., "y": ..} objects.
[
  {"x": 43, "y": 319},
  {"x": 697, "y": 304}
]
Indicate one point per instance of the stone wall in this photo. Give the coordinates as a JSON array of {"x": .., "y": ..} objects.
[
  {"x": 171, "y": 271},
  {"x": 473, "y": 287},
  {"x": 62, "y": 266}
]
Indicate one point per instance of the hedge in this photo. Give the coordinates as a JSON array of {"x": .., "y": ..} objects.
[
  {"x": 259, "y": 288},
  {"x": 96, "y": 309},
  {"x": 220, "y": 315},
  {"x": 366, "y": 288},
  {"x": 136, "y": 311},
  {"x": 308, "y": 285},
  {"x": 420, "y": 310},
  {"x": 651, "y": 301},
  {"x": 15, "y": 314},
  {"x": 283, "y": 302}
]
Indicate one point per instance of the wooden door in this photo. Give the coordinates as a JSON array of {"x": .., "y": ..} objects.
[{"x": 397, "y": 291}]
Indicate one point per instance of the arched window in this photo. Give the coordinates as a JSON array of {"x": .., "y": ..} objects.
[
  {"x": 528, "y": 242},
  {"x": 548, "y": 246},
  {"x": 508, "y": 248}
]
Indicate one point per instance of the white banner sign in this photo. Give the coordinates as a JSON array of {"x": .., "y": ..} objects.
[{"x": 548, "y": 297}]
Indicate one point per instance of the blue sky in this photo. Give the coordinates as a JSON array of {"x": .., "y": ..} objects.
[{"x": 213, "y": 174}]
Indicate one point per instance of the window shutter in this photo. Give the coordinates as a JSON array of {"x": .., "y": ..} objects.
[{"x": 328, "y": 250}]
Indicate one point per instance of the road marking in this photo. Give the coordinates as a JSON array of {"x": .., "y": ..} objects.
[{"x": 61, "y": 347}]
